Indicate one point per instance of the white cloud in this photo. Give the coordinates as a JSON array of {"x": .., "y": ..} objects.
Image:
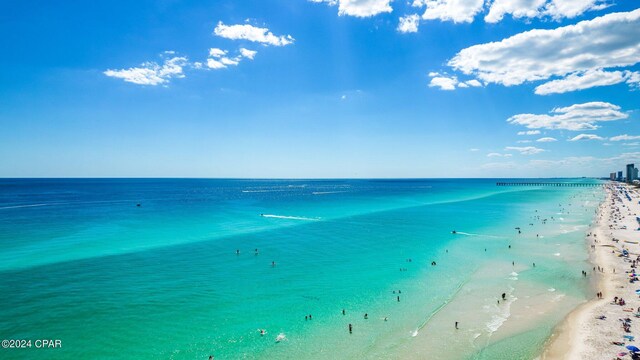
[
  {"x": 446, "y": 82},
  {"x": 215, "y": 64},
  {"x": 631, "y": 144},
  {"x": 249, "y": 54},
  {"x": 474, "y": 149},
  {"x": 474, "y": 83},
  {"x": 529, "y": 132},
  {"x": 443, "y": 82},
  {"x": 499, "y": 155},
  {"x": 584, "y": 80},
  {"x": 228, "y": 61},
  {"x": 575, "y": 117},
  {"x": 218, "y": 59},
  {"x": 364, "y": 8},
  {"x": 547, "y": 139},
  {"x": 608, "y": 41},
  {"x": 624, "y": 137},
  {"x": 251, "y": 33},
  {"x": 152, "y": 73},
  {"x": 215, "y": 52},
  {"x": 359, "y": 8},
  {"x": 586, "y": 137},
  {"x": 517, "y": 9},
  {"x": 571, "y": 8},
  {"x": 525, "y": 150},
  {"x": 409, "y": 24},
  {"x": 555, "y": 9},
  {"x": 523, "y": 141},
  {"x": 458, "y": 11}
]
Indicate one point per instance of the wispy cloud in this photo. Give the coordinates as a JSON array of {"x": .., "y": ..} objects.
[
  {"x": 584, "y": 80},
  {"x": 541, "y": 8},
  {"x": 624, "y": 137},
  {"x": 547, "y": 139},
  {"x": 251, "y": 33},
  {"x": 499, "y": 155},
  {"x": 529, "y": 132},
  {"x": 586, "y": 137},
  {"x": 575, "y": 117},
  {"x": 151, "y": 73},
  {"x": 525, "y": 150}
]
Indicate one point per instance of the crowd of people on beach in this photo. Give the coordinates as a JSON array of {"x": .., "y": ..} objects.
[{"x": 615, "y": 213}]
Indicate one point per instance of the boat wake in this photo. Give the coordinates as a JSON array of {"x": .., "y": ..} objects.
[
  {"x": 483, "y": 235},
  {"x": 289, "y": 217},
  {"x": 22, "y": 206}
]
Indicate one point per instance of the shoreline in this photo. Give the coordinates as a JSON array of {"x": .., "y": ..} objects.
[{"x": 581, "y": 335}]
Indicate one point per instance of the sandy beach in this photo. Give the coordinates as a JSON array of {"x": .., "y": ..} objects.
[{"x": 595, "y": 329}]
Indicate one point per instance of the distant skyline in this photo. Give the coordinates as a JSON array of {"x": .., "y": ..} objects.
[{"x": 319, "y": 88}]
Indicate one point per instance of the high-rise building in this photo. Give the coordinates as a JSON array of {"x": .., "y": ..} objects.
[
  {"x": 630, "y": 173},
  {"x": 619, "y": 176},
  {"x": 612, "y": 176},
  {"x": 635, "y": 174}
]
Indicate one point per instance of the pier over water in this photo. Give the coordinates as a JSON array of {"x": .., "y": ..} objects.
[{"x": 559, "y": 184}]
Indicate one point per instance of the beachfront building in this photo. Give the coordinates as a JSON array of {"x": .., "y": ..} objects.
[
  {"x": 619, "y": 176},
  {"x": 630, "y": 173},
  {"x": 612, "y": 176}
]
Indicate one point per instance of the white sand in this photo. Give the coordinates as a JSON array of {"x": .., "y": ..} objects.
[{"x": 581, "y": 335}]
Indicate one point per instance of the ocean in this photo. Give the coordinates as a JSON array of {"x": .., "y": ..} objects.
[{"x": 188, "y": 268}]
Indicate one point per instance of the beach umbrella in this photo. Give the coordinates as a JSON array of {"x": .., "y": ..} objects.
[{"x": 632, "y": 348}]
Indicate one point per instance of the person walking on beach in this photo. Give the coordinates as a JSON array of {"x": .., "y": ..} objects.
[{"x": 456, "y": 325}]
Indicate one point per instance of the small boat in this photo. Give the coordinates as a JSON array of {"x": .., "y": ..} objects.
[{"x": 454, "y": 232}]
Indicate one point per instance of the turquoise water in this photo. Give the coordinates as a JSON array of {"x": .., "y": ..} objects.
[{"x": 82, "y": 263}]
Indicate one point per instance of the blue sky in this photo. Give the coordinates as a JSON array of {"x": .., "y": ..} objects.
[{"x": 300, "y": 88}]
